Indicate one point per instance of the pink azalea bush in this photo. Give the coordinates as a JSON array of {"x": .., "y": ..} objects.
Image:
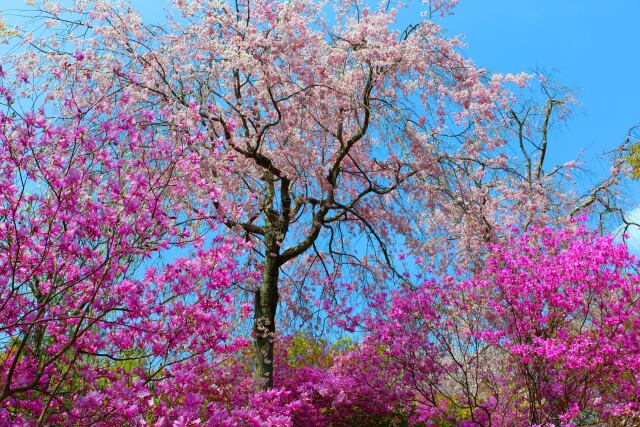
[
  {"x": 92, "y": 333},
  {"x": 546, "y": 332}
]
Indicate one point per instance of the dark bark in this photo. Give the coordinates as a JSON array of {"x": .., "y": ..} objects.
[
  {"x": 264, "y": 322},
  {"x": 266, "y": 297}
]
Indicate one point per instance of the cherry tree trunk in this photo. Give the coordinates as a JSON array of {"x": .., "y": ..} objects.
[{"x": 266, "y": 303}]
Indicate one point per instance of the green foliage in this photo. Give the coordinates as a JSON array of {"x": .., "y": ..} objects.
[
  {"x": 305, "y": 350},
  {"x": 633, "y": 158}
]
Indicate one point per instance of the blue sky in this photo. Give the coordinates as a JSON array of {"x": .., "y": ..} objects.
[{"x": 589, "y": 46}]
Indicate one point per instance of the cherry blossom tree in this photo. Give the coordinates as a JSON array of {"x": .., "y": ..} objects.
[
  {"x": 545, "y": 334},
  {"x": 335, "y": 130},
  {"x": 353, "y": 137}
]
